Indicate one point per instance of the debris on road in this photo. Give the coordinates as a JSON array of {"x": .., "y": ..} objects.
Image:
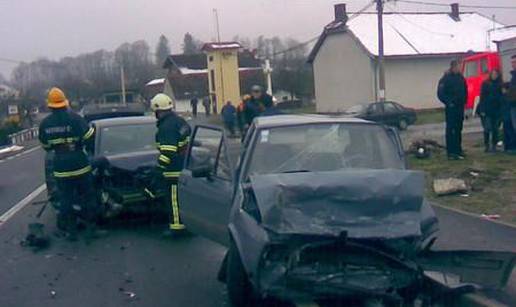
[
  {"x": 449, "y": 186},
  {"x": 36, "y": 237},
  {"x": 129, "y": 294},
  {"x": 490, "y": 216},
  {"x": 422, "y": 149},
  {"x": 53, "y": 294}
]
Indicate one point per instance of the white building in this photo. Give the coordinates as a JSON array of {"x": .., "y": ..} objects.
[{"x": 418, "y": 49}]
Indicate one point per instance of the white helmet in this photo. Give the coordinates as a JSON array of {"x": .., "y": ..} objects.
[{"x": 161, "y": 102}]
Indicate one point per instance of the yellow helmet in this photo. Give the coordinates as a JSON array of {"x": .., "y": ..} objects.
[
  {"x": 56, "y": 99},
  {"x": 161, "y": 102}
]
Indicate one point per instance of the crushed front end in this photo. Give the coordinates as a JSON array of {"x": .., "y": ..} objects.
[{"x": 323, "y": 269}]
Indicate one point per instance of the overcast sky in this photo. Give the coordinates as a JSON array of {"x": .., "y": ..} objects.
[{"x": 55, "y": 28}]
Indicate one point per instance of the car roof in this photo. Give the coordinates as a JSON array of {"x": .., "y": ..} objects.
[
  {"x": 300, "y": 119},
  {"x": 124, "y": 121}
]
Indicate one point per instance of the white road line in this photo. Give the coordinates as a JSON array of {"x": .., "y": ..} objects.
[
  {"x": 21, "y": 154},
  {"x": 21, "y": 204}
]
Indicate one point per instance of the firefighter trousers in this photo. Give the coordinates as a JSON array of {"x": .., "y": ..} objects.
[
  {"x": 77, "y": 198},
  {"x": 172, "y": 201}
]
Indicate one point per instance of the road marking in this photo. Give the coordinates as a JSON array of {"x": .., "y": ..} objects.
[
  {"x": 21, "y": 204},
  {"x": 20, "y": 154}
]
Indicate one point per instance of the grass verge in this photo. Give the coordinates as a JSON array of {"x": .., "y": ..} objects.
[{"x": 491, "y": 179}]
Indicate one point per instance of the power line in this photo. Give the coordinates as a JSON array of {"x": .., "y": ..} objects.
[
  {"x": 355, "y": 14},
  {"x": 500, "y": 7}
]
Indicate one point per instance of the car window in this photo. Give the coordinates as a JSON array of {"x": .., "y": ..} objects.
[
  {"x": 223, "y": 170},
  {"x": 484, "y": 68},
  {"x": 127, "y": 138},
  {"x": 471, "y": 69},
  {"x": 390, "y": 108},
  {"x": 375, "y": 108},
  {"x": 323, "y": 147},
  {"x": 205, "y": 147}
]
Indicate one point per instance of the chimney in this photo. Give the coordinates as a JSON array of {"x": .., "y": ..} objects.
[
  {"x": 455, "y": 14},
  {"x": 340, "y": 12}
]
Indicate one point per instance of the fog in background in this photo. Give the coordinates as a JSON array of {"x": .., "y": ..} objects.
[{"x": 30, "y": 29}]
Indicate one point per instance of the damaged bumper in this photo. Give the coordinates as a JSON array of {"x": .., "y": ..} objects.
[{"x": 343, "y": 270}]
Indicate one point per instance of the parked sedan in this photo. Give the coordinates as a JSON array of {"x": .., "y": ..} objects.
[{"x": 389, "y": 113}]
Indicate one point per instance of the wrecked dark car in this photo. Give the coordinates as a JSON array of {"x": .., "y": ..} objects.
[
  {"x": 123, "y": 160},
  {"x": 323, "y": 209}
]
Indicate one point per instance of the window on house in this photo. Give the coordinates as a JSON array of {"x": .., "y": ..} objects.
[
  {"x": 210, "y": 58},
  {"x": 212, "y": 78}
]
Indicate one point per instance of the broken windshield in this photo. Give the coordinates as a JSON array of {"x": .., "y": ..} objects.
[{"x": 323, "y": 147}]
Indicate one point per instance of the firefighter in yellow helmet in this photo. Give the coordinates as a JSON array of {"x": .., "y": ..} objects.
[
  {"x": 66, "y": 135},
  {"x": 172, "y": 140}
]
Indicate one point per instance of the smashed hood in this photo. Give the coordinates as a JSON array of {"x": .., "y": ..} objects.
[
  {"x": 132, "y": 161},
  {"x": 364, "y": 204}
]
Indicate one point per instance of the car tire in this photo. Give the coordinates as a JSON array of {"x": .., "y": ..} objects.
[
  {"x": 240, "y": 291},
  {"x": 403, "y": 124}
]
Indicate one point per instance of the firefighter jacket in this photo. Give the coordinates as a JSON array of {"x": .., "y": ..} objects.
[
  {"x": 67, "y": 134},
  {"x": 172, "y": 140}
]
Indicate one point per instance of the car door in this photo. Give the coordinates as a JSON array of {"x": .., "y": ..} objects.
[
  {"x": 392, "y": 114},
  {"x": 374, "y": 112},
  {"x": 205, "y": 185}
]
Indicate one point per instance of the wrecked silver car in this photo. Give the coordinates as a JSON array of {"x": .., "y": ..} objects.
[{"x": 323, "y": 209}]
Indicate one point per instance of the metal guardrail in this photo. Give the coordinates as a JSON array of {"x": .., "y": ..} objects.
[{"x": 25, "y": 135}]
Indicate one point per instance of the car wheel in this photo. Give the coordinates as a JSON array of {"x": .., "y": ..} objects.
[
  {"x": 240, "y": 292},
  {"x": 402, "y": 124}
]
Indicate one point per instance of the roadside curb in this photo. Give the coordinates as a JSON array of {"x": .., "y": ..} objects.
[
  {"x": 473, "y": 215},
  {"x": 23, "y": 151}
]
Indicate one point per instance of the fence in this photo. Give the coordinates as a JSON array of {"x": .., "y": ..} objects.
[{"x": 20, "y": 137}]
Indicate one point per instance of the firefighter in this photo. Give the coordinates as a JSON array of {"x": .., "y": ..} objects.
[
  {"x": 67, "y": 134},
  {"x": 172, "y": 140}
]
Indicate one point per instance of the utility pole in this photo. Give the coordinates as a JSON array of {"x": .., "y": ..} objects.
[
  {"x": 381, "y": 68},
  {"x": 216, "y": 13},
  {"x": 267, "y": 69},
  {"x": 122, "y": 81}
]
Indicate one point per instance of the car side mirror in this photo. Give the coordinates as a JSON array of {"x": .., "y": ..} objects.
[{"x": 203, "y": 171}]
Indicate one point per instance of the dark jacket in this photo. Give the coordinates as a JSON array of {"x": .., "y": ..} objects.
[
  {"x": 453, "y": 90},
  {"x": 491, "y": 98},
  {"x": 172, "y": 140},
  {"x": 228, "y": 113},
  {"x": 67, "y": 134},
  {"x": 254, "y": 107}
]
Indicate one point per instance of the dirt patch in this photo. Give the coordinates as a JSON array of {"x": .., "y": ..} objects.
[{"x": 491, "y": 179}]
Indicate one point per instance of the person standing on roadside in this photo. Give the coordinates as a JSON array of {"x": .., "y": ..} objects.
[
  {"x": 509, "y": 111},
  {"x": 241, "y": 115},
  {"x": 453, "y": 92},
  {"x": 489, "y": 109},
  {"x": 206, "y": 105},
  {"x": 228, "y": 114},
  {"x": 258, "y": 102},
  {"x": 193, "y": 103}
]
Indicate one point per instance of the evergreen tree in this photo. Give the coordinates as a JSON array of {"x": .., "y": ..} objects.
[{"x": 162, "y": 50}]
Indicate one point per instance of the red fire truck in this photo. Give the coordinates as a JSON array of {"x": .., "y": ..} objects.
[{"x": 476, "y": 69}]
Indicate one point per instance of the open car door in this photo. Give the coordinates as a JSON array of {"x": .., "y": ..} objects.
[{"x": 206, "y": 184}]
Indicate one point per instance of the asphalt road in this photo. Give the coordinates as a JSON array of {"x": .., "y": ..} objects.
[{"x": 136, "y": 260}]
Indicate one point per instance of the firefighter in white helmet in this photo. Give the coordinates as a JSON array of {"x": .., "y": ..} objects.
[{"x": 172, "y": 140}]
